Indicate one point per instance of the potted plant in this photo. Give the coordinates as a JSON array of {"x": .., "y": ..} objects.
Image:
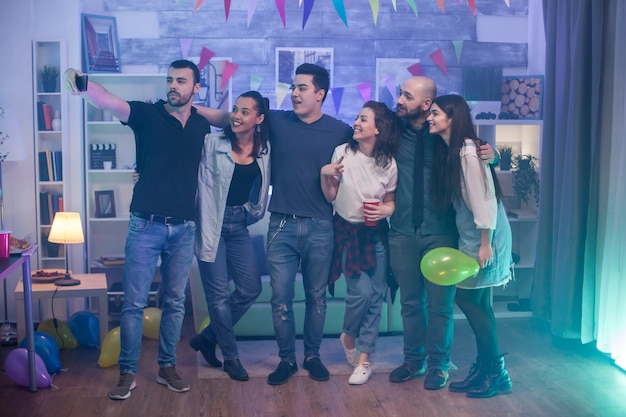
[
  {"x": 49, "y": 76},
  {"x": 506, "y": 153},
  {"x": 525, "y": 178}
]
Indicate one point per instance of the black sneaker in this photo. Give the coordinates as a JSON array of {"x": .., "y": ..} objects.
[
  {"x": 406, "y": 372},
  {"x": 282, "y": 373},
  {"x": 436, "y": 379},
  {"x": 199, "y": 343},
  {"x": 317, "y": 370}
]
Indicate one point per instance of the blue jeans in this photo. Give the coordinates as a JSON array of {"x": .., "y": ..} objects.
[
  {"x": 145, "y": 243},
  {"x": 306, "y": 243},
  {"x": 364, "y": 303},
  {"x": 427, "y": 308},
  {"x": 235, "y": 259}
]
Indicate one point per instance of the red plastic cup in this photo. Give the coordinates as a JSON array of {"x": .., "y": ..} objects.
[
  {"x": 370, "y": 202},
  {"x": 5, "y": 244}
]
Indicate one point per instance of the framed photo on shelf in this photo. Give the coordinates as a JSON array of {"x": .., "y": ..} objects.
[
  {"x": 105, "y": 204},
  {"x": 288, "y": 59},
  {"x": 101, "y": 51},
  {"x": 521, "y": 97}
]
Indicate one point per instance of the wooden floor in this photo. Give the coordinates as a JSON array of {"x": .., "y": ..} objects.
[{"x": 549, "y": 379}]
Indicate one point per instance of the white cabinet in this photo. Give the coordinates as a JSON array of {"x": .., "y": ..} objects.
[
  {"x": 524, "y": 136},
  {"x": 109, "y": 166},
  {"x": 50, "y": 145}
]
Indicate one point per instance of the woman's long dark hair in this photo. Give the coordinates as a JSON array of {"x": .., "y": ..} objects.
[
  {"x": 446, "y": 178},
  {"x": 388, "y": 137},
  {"x": 262, "y": 106}
]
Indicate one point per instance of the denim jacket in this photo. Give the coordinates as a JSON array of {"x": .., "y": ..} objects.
[{"x": 214, "y": 176}]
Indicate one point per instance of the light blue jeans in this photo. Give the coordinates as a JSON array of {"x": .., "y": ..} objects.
[
  {"x": 364, "y": 303},
  {"x": 235, "y": 259},
  {"x": 145, "y": 243},
  {"x": 306, "y": 243}
]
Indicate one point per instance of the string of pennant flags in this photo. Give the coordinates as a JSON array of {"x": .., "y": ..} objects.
[
  {"x": 339, "y": 5},
  {"x": 282, "y": 89}
]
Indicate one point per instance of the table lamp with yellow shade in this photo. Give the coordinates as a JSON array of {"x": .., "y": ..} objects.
[{"x": 66, "y": 229}]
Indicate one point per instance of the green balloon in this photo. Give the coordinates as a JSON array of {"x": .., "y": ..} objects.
[{"x": 448, "y": 266}]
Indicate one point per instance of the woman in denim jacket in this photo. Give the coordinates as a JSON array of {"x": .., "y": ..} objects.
[
  {"x": 233, "y": 184},
  {"x": 464, "y": 181}
]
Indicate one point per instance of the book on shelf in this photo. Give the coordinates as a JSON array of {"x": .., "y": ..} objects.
[
  {"x": 41, "y": 121},
  {"x": 50, "y": 166},
  {"x": 100, "y": 152},
  {"x": 50, "y": 204},
  {"x": 47, "y": 116},
  {"x": 110, "y": 260}
]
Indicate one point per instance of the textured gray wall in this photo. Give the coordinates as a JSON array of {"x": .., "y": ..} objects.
[{"x": 398, "y": 34}]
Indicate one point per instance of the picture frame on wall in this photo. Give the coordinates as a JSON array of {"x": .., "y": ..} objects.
[
  {"x": 212, "y": 93},
  {"x": 101, "y": 51},
  {"x": 105, "y": 204},
  {"x": 522, "y": 97},
  {"x": 288, "y": 59},
  {"x": 390, "y": 74}
]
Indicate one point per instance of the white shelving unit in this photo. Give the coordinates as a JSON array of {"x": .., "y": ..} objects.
[
  {"x": 106, "y": 234},
  {"x": 51, "y": 146},
  {"x": 524, "y": 136}
]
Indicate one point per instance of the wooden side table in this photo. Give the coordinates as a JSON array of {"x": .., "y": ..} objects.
[{"x": 91, "y": 286}]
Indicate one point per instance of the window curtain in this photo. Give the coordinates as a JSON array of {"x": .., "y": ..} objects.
[{"x": 580, "y": 278}]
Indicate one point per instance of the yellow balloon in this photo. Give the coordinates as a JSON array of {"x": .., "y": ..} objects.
[
  {"x": 205, "y": 323},
  {"x": 151, "y": 322},
  {"x": 60, "y": 332},
  {"x": 448, "y": 266},
  {"x": 110, "y": 350}
]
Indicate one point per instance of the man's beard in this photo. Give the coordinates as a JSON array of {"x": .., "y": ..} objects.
[{"x": 180, "y": 100}]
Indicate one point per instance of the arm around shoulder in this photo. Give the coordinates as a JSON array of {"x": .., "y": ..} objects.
[{"x": 216, "y": 117}]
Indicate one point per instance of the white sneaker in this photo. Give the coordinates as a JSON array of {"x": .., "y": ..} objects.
[
  {"x": 361, "y": 374},
  {"x": 350, "y": 353}
]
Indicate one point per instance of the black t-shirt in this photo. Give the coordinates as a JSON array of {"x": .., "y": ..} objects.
[
  {"x": 241, "y": 183},
  {"x": 168, "y": 156}
]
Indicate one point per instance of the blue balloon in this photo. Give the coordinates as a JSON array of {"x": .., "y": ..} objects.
[
  {"x": 48, "y": 350},
  {"x": 85, "y": 327}
]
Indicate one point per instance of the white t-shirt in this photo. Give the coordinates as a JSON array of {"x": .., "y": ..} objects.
[
  {"x": 361, "y": 179},
  {"x": 477, "y": 187}
]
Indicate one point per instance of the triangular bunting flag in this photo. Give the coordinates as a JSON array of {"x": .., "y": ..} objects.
[
  {"x": 390, "y": 83},
  {"x": 341, "y": 11},
  {"x": 280, "y": 5},
  {"x": 227, "y": 72},
  {"x": 282, "y": 89},
  {"x": 198, "y": 4},
  {"x": 365, "y": 89},
  {"x": 337, "y": 94},
  {"x": 458, "y": 49},
  {"x": 508, "y": 3},
  {"x": 185, "y": 44},
  {"x": 438, "y": 59},
  {"x": 412, "y": 5},
  {"x": 227, "y": 8},
  {"x": 415, "y": 69},
  {"x": 395, "y": 8},
  {"x": 205, "y": 57},
  {"x": 308, "y": 6},
  {"x": 255, "y": 82},
  {"x": 180, "y": 2},
  {"x": 374, "y": 7},
  {"x": 440, "y": 3},
  {"x": 252, "y": 4},
  {"x": 472, "y": 6}
]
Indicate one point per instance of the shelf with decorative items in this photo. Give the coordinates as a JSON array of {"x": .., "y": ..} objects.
[
  {"x": 50, "y": 146},
  {"x": 109, "y": 168},
  {"x": 519, "y": 143}
]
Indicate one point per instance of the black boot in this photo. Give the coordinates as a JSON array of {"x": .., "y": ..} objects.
[
  {"x": 475, "y": 375},
  {"x": 235, "y": 370},
  {"x": 199, "y": 343},
  {"x": 495, "y": 379}
]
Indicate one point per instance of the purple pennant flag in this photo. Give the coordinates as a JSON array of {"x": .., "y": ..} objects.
[
  {"x": 185, "y": 44},
  {"x": 365, "y": 89},
  {"x": 308, "y": 6},
  {"x": 337, "y": 93}
]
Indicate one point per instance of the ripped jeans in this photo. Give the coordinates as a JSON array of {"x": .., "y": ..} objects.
[{"x": 306, "y": 243}]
